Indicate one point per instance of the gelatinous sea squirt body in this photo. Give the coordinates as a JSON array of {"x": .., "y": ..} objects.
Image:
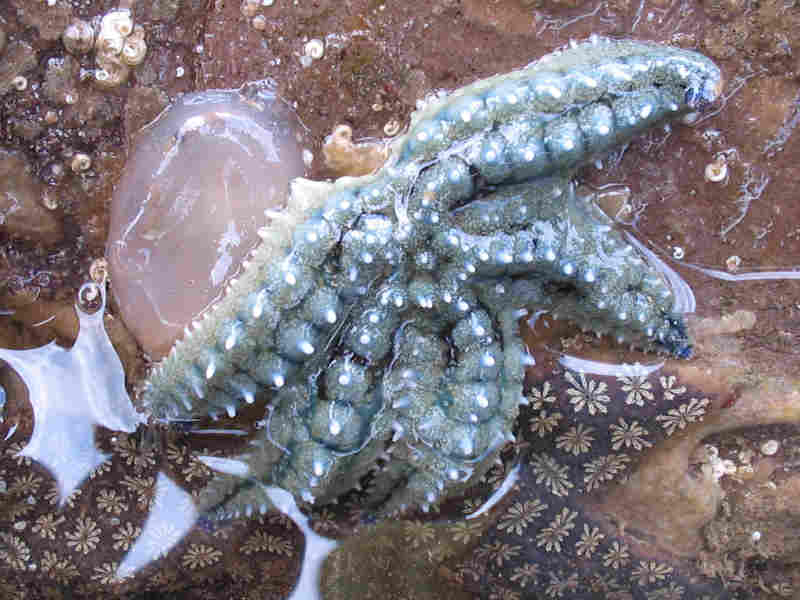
[{"x": 379, "y": 316}]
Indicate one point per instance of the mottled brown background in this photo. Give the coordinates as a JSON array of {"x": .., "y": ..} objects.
[{"x": 379, "y": 59}]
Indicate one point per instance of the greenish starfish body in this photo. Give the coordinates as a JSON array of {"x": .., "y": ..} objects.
[{"x": 379, "y": 316}]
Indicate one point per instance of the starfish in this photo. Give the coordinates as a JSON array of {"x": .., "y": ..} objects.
[
  {"x": 378, "y": 318},
  {"x": 69, "y": 398}
]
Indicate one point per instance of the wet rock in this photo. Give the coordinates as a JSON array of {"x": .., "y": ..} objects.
[
  {"x": 14, "y": 408},
  {"x": 513, "y": 19},
  {"x": 407, "y": 554},
  {"x": 726, "y": 324},
  {"x": 727, "y": 39},
  {"x": 771, "y": 511},
  {"x": 725, "y": 10},
  {"x": 416, "y": 85},
  {"x": 26, "y": 128},
  {"x": 19, "y": 58},
  {"x": 96, "y": 114},
  {"x": 163, "y": 10},
  {"x": 20, "y": 202},
  {"x": 234, "y": 52},
  {"x": 60, "y": 79}
]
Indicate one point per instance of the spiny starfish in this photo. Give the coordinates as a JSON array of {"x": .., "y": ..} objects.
[{"x": 379, "y": 316}]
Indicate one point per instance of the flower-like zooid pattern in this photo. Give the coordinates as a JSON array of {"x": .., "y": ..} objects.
[{"x": 583, "y": 433}]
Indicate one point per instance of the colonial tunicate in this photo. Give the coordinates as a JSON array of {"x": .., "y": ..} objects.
[
  {"x": 200, "y": 181},
  {"x": 378, "y": 319}
]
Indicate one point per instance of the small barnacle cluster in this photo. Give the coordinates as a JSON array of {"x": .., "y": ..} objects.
[
  {"x": 312, "y": 50},
  {"x": 117, "y": 42}
]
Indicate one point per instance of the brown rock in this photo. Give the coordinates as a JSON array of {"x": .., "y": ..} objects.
[
  {"x": 21, "y": 212},
  {"x": 144, "y": 104},
  {"x": 60, "y": 78},
  {"x": 19, "y": 58}
]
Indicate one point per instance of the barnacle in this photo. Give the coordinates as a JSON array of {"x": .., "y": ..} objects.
[
  {"x": 81, "y": 162},
  {"x": 118, "y": 44}
]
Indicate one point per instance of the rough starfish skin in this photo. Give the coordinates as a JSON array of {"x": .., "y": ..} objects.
[{"x": 379, "y": 316}]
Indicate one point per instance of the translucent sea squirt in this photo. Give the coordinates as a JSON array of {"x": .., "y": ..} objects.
[{"x": 198, "y": 184}]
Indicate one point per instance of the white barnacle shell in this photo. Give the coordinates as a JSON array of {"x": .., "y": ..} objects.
[
  {"x": 20, "y": 83},
  {"x": 134, "y": 48},
  {"x": 78, "y": 37},
  {"x": 81, "y": 162}
]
